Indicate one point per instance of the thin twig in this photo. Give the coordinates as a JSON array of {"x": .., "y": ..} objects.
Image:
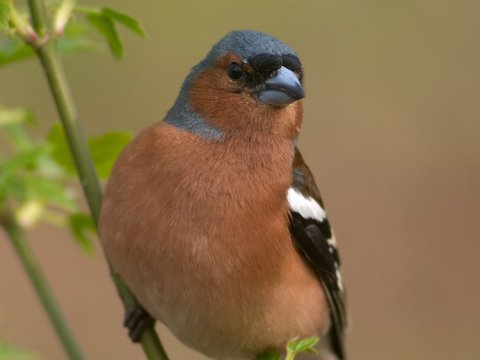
[{"x": 22, "y": 248}]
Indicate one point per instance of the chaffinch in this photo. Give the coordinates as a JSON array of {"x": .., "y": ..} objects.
[{"x": 213, "y": 219}]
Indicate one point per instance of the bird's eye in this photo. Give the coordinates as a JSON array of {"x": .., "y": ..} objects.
[{"x": 235, "y": 71}]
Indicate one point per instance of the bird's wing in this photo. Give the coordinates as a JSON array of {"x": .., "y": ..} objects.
[{"x": 312, "y": 235}]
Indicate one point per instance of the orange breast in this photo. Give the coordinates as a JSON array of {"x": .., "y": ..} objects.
[{"x": 199, "y": 231}]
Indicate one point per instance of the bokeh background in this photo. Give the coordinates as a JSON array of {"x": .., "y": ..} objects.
[{"x": 391, "y": 131}]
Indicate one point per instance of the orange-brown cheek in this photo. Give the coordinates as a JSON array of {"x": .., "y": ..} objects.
[
  {"x": 222, "y": 102},
  {"x": 230, "y": 107}
]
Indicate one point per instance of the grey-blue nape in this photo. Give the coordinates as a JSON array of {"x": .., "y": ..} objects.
[
  {"x": 246, "y": 43},
  {"x": 183, "y": 117}
]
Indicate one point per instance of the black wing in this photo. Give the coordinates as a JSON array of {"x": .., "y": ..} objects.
[{"x": 314, "y": 239}]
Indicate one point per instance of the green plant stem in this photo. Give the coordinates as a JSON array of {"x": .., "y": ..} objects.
[
  {"x": 39, "y": 282},
  {"x": 56, "y": 78},
  {"x": 37, "y": 10},
  {"x": 69, "y": 117},
  {"x": 290, "y": 355}
]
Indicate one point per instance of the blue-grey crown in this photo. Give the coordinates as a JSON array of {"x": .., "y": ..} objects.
[{"x": 246, "y": 43}]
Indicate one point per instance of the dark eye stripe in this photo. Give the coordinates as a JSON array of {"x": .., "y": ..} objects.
[
  {"x": 292, "y": 62},
  {"x": 265, "y": 64}
]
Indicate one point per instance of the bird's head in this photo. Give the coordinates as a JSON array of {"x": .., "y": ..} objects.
[{"x": 248, "y": 79}]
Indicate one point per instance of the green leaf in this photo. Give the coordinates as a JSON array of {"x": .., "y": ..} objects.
[
  {"x": 9, "y": 116},
  {"x": 106, "y": 27},
  {"x": 22, "y": 160},
  {"x": 76, "y": 29},
  {"x": 302, "y": 345},
  {"x": 105, "y": 149},
  {"x": 8, "y": 352},
  {"x": 12, "y": 187},
  {"x": 60, "y": 150},
  {"x": 124, "y": 19},
  {"x": 75, "y": 39},
  {"x": 4, "y": 15},
  {"x": 12, "y": 120},
  {"x": 50, "y": 192},
  {"x": 18, "y": 137},
  {"x": 13, "y": 50},
  {"x": 274, "y": 355},
  {"x": 83, "y": 229},
  {"x": 68, "y": 45},
  {"x": 104, "y": 20}
]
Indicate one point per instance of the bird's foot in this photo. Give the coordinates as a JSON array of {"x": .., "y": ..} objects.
[{"x": 136, "y": 320}]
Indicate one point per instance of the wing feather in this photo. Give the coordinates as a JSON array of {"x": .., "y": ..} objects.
[{"x": 313, "y": 237}]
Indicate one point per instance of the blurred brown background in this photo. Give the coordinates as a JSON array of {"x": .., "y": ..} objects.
[{"x": 391, "y": 131}]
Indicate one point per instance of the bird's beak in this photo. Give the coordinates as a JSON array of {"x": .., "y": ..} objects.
[{"x": 282, "y": 89}]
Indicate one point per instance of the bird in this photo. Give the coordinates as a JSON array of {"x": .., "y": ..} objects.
[{"x": 213, "y": 219}]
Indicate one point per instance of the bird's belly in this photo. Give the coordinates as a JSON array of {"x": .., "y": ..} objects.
[
  {"x": 217, "y": 267},
  {"x": 234, "y": 307}
]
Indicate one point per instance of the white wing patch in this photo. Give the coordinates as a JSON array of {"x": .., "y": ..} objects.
[
  {"x": 305, "y": 205},
  {"x": 332, "y": 241},
  {"x": 338, "y": 274}
]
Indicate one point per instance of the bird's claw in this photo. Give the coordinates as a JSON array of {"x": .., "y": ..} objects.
[{"x": 136, "y": 320}]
